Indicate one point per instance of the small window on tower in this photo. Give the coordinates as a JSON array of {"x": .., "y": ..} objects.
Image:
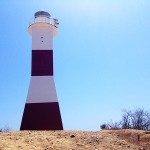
[{"x": 42, "y": 39}]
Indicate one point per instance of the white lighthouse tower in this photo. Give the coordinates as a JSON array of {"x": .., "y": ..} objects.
[{"x": 41, "y": 110}]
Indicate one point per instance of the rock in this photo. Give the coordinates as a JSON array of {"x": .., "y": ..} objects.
[{"x": 72, "y": 136}]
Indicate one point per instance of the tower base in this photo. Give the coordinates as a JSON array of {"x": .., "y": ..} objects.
[{"x": 41, "y": 116}]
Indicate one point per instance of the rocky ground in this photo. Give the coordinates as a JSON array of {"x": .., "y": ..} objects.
[{"x": 75, "y": 140}]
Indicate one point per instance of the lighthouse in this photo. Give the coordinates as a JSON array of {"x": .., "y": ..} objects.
[{"x": 41, "y": 111}]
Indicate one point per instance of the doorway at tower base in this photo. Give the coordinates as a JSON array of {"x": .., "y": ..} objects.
[{"x": 41, "y": 116}]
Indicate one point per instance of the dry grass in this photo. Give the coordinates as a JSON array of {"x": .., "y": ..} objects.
[
  {"x": 75, "y": 140},
  {"x": 137, "y": 137}
]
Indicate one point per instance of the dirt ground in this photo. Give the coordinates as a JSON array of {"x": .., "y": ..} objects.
[{"x": 75, "y": 140}]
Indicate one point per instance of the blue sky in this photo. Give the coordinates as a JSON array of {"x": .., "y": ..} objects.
[{"x": 101, "y": 59}]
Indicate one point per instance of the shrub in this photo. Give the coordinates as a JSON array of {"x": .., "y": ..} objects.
[{"x": 103, "y": 126}]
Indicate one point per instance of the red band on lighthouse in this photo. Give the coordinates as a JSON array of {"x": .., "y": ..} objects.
[
  {"x": 42, "y": 116},
  {"x": 42, "y": 63}
]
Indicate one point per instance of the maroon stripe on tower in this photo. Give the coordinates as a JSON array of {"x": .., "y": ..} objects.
[
  {"x": 42, "y": 63},
  {"x": 41, "y": 116}
]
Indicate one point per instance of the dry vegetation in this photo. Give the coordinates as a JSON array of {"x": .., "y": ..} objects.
[{"x": 75, "y": 140}]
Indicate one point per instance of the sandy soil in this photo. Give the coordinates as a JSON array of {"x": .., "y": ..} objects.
[{"x": 75, "y": 140}]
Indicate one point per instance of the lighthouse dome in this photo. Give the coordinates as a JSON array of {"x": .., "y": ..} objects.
[{"x": 42, "y": 14}]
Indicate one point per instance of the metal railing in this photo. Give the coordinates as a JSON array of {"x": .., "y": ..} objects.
[{"x": 50, "y": 21}]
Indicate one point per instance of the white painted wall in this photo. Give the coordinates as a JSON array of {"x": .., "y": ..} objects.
[
  {"x": 42, "y": 39},
  {"x": 42, "y": 19},
  {"x": 42, "y": 89}
]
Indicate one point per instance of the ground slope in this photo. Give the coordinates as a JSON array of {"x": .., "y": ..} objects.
[{"x": 75, "y": 140}]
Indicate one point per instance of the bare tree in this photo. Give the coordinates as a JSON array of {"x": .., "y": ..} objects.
[
  {"x": 5, "y": 129},
  {"x": 126, "y": 119},
  {"x": 138, "y": 119},
  {"x": 114, "y": 125}
]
